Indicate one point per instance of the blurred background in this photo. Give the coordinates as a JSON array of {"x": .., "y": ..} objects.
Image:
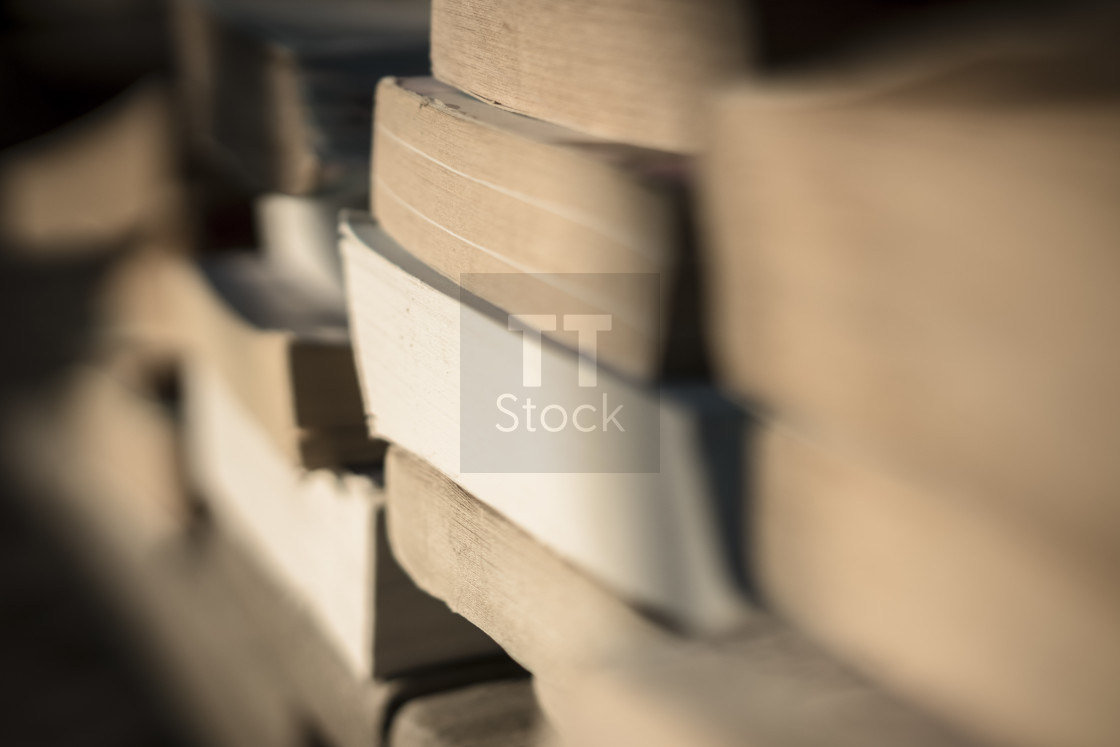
[
  {"x": 904, "y": 218},
  {"x": 70, "y": 674},
  {"x": 113, "y": 160}
]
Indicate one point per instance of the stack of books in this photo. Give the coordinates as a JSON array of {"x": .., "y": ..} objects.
[
  {"x": 913, "y": 273},
  {"x": 639, "y": 372},
  {"x": 104, "y": 192},
  {"x": 274, "y": 430},
  {"x": 229, "y": 498},
  {"x": 526, "y": 303}
]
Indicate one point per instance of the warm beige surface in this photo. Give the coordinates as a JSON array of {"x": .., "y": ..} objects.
[
  {"x": 284, "y": 351},
  {"x": 322, "y": 534},
  {"x": 631, "y": 70},
  {"x": 923, "y": 270},
  {"x": 606, "y": 674},
  {"x": 136, "y": 303},
  {"x": 497, "y": 714},
  {"x": 237, "y": 652},
  {"x": 959, "y": 604},
  {"x": 299, "y": 233},
  {"x": 104, "y": 430},
  {"x": 469, "y": 188},
  {"x": 98, "y": 182}
]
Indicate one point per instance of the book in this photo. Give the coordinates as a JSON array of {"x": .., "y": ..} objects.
[
  {"x": 637, "y": 501},
  {"x": 912, "y": 258},
  {"x": 225, "y": 640},
  {"x": 321, "y": 533},
  {"x": 966, "y": 607},
  {"x": 606, "y": 674},
  {"x": 284, "y": 348},
  {"x": 492, "y": 714},
  {"x": 134, "y": 308},
  {"x": 102, "y": 183},
  {"x": 279, "y": 96},
  {"x": 572, "y": 210},
  {"x": 299, "y": 235},
  {"x": 279, "y": 447},
  {"x": 120, "y": 447},
  {"x": 634, "y": 71}
]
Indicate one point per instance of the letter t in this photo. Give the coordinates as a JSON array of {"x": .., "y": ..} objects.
[
  {"x": 588, "y": 327},
  {"x": 531, "y": 326}
]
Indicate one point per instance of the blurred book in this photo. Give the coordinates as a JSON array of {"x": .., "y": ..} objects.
[
  {"x": 913, "y": 273},
  {"x": 635, "y": 71},
  {"x": 962, "y": 606},
  {"x": 497, "y": 714},
  {"x": 242, "y": 652},
  {"x": 299, "y": 235},
  {"x": 284, "y": 348},
  {"x": 280, "y": 95},
  {"x": 279, "y": 446},
  {"x": 105, "y": 181},
  {"x": 322, "y": 534},
  {"x": 914, "y": 255},
  {"x": 104, "y": 196}
]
